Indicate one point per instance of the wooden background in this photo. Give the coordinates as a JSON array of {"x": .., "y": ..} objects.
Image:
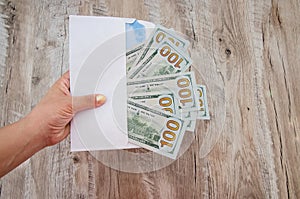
[{"x": 253, "y": 49}]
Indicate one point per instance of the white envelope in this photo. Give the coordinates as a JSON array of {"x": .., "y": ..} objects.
[{"x": 98, "y": 65}]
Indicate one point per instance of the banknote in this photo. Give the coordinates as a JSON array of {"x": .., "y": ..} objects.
[
  {"x": 165, "y": 59},
  {"x": 154, "y": 130},
  {"x": 182, "y": 85},
  {"x": 162, "y": 101},
  {"x": 131, "y": 55},
  {"x": 160, "y": 34},
  {"x": 203, "y": 112},
  {"x": 166, "y": 102},
  {"x": 191, "y": 118}
]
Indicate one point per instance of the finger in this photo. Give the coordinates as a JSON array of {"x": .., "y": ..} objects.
[
  {"x": 81, "y": 103},
  {"x": 63, "y": 83},
  {"x": 66, "y": 75},
  {"x": 66, "y": 79}
]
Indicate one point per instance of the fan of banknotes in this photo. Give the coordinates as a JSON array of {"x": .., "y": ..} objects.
[{"x": 164, "y": 98}]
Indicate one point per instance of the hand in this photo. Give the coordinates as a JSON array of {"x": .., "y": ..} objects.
[
  {"x": 53, "y": 114},
  {"x": 47, "y": 124}
]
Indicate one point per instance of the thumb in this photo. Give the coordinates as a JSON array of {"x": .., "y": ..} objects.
[{"x": 81, "y": 103}]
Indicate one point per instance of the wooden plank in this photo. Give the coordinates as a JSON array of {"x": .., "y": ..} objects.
[
  {"x": 15, "y": 92},
  {"x": 45, "y": 35},
  {"x": 281, "y": 48},
  {"x": 3, "y": 55},
  {"x": 245, "y": 52},
  {"x": 54, "y": 164}
]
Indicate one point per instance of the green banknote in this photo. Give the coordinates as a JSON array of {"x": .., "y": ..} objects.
[
  {"x": 154, "y": 130},
  {"x": 161, "y": 101},
  {"x": 158, "y": 35},
  {"x": 166, "y": 59},
  {"x": 182, "y": 85},
  {"x": 132, "y": 54},
  {"x": 166, "y": 102},
  {"x": 191, "y": 118},
  {"x": 203, "y": 112}
]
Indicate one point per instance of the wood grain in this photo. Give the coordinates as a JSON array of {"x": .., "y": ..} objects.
[{"x": 247, "y": 53}]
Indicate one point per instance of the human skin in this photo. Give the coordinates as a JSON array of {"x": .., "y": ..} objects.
[{"x": 46, "y": 125}]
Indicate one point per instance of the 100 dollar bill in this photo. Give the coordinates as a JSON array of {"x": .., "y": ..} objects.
[
  {"x": 132, "y": 54},
  {"x": 160, "y": 34},
  {"x": 154, "y": 130},
  {"x": 161, "y": 101},
  {"x": 166, "y": 102},
  {"x": 166, "y": 59},
  {"x": 203, "y": 112},
  {"x": 182, "y": 85}
]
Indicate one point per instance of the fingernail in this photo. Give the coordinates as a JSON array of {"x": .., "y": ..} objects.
[{"x": 100, "y": 100}]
